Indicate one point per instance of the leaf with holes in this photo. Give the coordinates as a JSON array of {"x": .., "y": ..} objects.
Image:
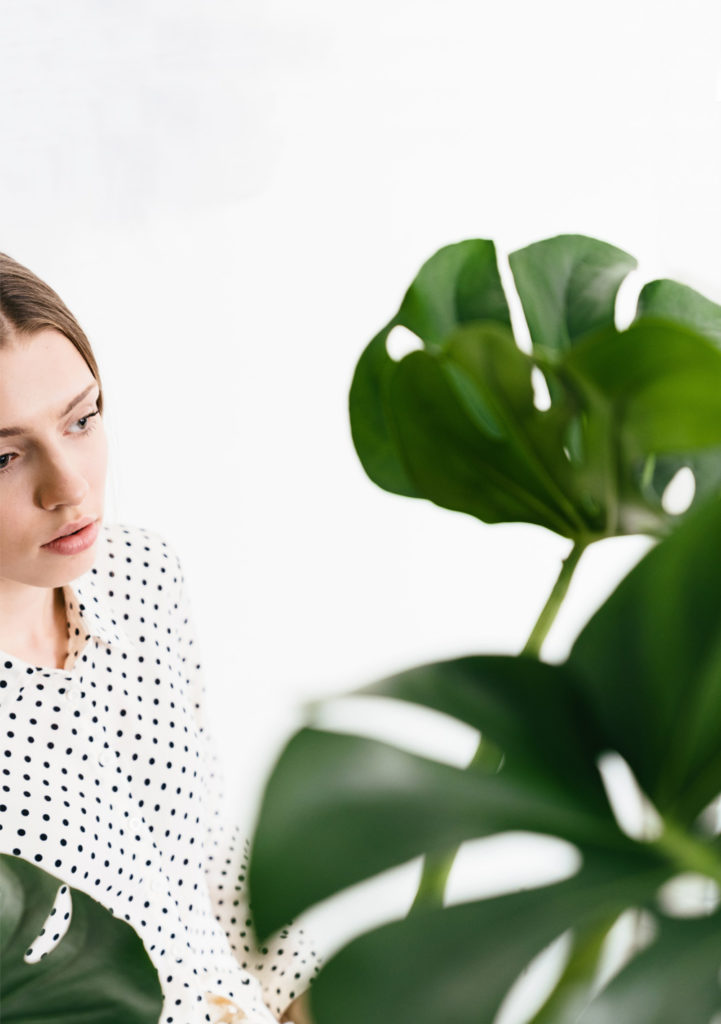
[
  {"x": 98, "y": 971},
  {"x": 643, "y": 682},
  {"x": 677, "y": 302},
  {"x": 456, "y": 421}
]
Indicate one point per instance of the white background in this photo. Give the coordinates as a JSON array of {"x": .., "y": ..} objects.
[{"x": 233, "y": 197}]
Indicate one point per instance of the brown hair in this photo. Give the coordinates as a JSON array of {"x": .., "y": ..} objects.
[{"x": 28, "y": 305}]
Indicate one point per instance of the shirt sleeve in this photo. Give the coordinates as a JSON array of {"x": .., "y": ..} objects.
[{"x": 285, "y": 966}]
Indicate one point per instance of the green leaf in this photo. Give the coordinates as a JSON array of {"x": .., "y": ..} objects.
[
  {"x": 369, "y": 806},
  {"x": 705, "y": 466},
  {"x": 456, "y": 462},
  {"x": 661, "y": 381},
  {"x": 456, "y": 964},
  {"x": 674, "y": 979},
  {"x": 456, "y": 422},
  {"x": 519, "y": 704},
  {"x": 671, "y": 300},
  {"x": 649, "y": 662},
  {"x": 370, "y": 418},
  {"x": 497, "y": 375},
  {"x": 568, "y": 287},
  {"x": 459, "y": 284},
  {"x": 98, "y": 971},
  {"x": 678, "y": 303}
]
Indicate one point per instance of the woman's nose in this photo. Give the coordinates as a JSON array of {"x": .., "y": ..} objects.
[{"x": 62, "y": 483}]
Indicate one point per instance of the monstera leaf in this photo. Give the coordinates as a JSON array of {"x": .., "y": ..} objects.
[
  {"x": 642, "y": 683},
  {"x": 457, "y": 421},
  {"x": 99, "y": 971}
]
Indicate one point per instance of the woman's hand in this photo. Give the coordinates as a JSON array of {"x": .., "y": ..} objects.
[
  {"x": 223, "y": 1010},
  {"x": 298, "y": 1012}
]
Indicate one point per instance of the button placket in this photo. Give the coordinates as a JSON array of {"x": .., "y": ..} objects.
[
  {"x": 72, "y": 694},
  {"x": 156, "y": 885},
  {"x": 92, "y": 745}
]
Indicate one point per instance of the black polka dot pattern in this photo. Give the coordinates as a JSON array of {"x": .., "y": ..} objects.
[{"x": 110, "y": 782}]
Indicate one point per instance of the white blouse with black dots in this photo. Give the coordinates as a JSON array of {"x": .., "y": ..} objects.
[{"x": 110, "y": 783}]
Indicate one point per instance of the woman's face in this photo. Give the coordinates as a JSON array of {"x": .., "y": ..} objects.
[{"x": 53, "y": 473}]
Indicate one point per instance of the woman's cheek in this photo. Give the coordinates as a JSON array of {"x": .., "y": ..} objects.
[{"x": 99, "y": 462}]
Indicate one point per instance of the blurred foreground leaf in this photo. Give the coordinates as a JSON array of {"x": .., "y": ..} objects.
[
  {"x": 643, "y": 680},
  {"x": 99, "y": 971}
]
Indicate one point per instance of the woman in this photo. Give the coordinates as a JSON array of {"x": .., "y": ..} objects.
[{"x": 112, "y": 784}]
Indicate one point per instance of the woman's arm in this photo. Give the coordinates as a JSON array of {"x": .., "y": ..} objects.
[{"x": 287, "y": 963}]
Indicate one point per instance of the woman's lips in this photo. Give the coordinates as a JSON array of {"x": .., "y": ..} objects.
[{"x": 74, "y": 542}]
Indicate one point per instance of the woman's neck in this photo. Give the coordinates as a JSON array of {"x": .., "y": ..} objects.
[{"x": 39, "y": 635}]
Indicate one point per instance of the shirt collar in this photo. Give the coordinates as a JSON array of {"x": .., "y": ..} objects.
[{"x": 90, "y": 613}]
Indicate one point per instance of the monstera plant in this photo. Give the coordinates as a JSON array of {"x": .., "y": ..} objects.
[
  {"x": 99, "y": 971},
  {"x": 457, "y": 421}
]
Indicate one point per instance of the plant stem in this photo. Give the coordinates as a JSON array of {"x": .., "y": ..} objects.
[
  {"x": 552, "y": 605},
  {"x": 687, "y": 853},
  {"x": 436, "y": 867},
  {"x": 570, "y": 993}
]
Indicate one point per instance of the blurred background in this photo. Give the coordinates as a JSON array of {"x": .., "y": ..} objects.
[{"x": 232, "y": 196}]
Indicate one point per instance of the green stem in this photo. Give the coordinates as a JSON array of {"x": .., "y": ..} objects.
[
  {"x": 552, "y": 605},
  {"x": 571, "y": 990},
  {"x": 570, "y": 993},
  {"x": 436, "y": 867},
  {"x": 687, "y": 853}
]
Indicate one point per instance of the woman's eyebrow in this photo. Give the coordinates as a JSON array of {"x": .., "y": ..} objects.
[{"x": 18, "y": 431}]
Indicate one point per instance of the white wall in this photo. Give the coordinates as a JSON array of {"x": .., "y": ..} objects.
[{"x": 233, "y": 198}]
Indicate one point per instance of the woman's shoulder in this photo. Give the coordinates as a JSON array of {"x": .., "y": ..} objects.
[
  {"x": 132, "y": 535},
  {"x": 131, "y": 552}
]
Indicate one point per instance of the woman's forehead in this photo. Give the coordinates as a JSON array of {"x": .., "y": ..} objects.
[{"x": 41, "y": 377}]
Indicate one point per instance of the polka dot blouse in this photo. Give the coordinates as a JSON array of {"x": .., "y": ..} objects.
[{"x": 110, "y": 782}]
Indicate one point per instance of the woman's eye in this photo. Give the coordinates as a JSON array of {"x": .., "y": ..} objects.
[
  {"x": 84, "y": 422},
  {"x": 85, "y": 426}
]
